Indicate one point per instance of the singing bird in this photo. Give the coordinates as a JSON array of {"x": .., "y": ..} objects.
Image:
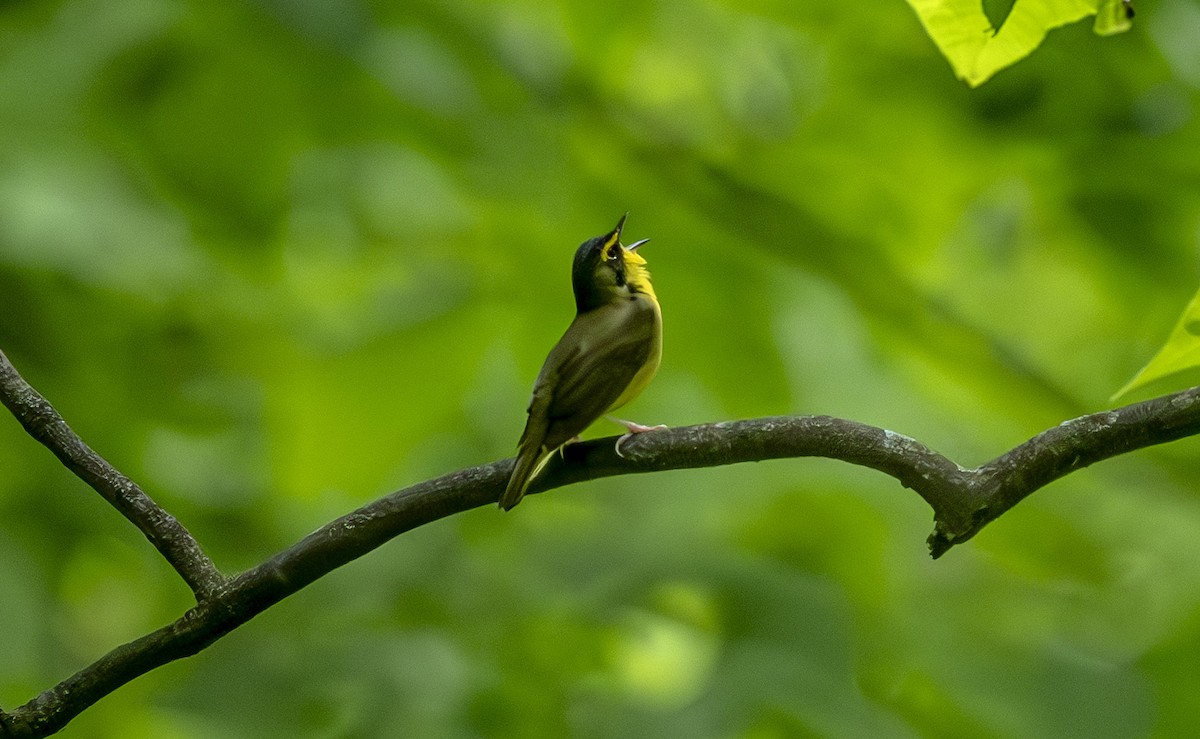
[{"x": 605, "y": 359}]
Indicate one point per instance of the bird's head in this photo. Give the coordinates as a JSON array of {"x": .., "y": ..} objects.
[{"x": 605, "y": 271}]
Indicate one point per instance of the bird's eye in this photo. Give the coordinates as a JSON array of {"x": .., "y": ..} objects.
[{"x": 614, "y": 254}]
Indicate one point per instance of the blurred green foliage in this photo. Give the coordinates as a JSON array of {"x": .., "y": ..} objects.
[{"x": 277, "y": 258}]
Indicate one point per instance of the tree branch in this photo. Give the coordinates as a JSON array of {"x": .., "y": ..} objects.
[
  {"x": 963, "y": 502},
  {"x": 167, "y": 535}
]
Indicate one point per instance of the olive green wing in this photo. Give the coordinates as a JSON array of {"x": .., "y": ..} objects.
[
  {"x": 534, "y": 450},
  {"x": 614, "y": 343},
  {"x": 586, "y": 372}
]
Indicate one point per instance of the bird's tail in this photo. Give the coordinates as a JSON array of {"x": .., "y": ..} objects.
[{"x": 531, "y": 458}]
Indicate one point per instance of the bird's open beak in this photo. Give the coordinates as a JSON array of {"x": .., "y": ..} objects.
[{"x": 634, "y": 246}]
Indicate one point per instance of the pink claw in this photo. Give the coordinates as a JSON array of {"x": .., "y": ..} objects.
[{"x": 632, "y": 429}]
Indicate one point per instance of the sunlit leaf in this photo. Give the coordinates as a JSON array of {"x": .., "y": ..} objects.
[
  {"x": 1181, "y": 352},
  {"x": 981, "y": 38},
  {"x": 997, "y": 11},
  {"x": 1113, "y": 17}
]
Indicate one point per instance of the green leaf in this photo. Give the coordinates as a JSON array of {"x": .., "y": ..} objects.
[
  {"x": 1181, "y": 352},
  {"x": 967, "y": 34},
  {"x": 1114, "y": 16},
  {"x": 997, "y": 11}
]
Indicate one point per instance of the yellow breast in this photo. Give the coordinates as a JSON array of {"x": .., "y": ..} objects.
[{"x": 646, "y": 373}]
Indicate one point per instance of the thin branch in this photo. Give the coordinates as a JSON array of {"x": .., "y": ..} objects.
[
  {"x": 167, "y": 535},
  {"x": 963, "y": 501},
  {"x": 1072, "y": 445}
]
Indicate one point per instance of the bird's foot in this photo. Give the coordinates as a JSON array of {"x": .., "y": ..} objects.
[{"x": 631, "y": 429}]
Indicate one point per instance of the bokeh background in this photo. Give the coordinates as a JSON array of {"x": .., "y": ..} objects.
[{"x": 275, "y": 259}]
